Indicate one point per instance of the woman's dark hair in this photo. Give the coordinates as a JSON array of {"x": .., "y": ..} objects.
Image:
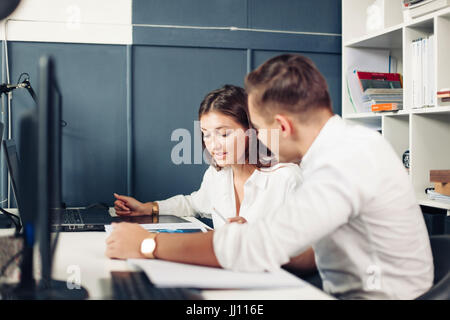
[{"x": 232, "y": 101}]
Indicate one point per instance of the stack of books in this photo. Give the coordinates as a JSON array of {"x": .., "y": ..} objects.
[
  {"x": 384, "y": 99},
  {"x": 376, "y": 91},
  {"x": 444, "y": 94}
]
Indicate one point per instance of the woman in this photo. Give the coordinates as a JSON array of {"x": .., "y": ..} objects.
[{"x": 232, "y": 184}]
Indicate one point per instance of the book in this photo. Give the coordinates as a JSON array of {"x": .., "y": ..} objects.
[
  {"x": 378, "y": 91},
  {"x": 431, "y": 71},
  {"x": 444, "y": 93},
  {"x": 379, "y": 80},
  {"x": 423, "y": 75},
  {"x": 433, "y": 195},
  {"x": 385, "y": 107}
]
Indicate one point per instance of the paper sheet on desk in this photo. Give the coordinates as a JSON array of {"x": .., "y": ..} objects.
[
  {"x": 172, "y": 226},
  {"x": 172, "y": 274}
]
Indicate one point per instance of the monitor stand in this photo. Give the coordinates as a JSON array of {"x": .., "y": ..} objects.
[{"x": 57, "y": 290}]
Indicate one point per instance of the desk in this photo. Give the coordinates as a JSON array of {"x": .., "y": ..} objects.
[{"x": 85, "y": 251}]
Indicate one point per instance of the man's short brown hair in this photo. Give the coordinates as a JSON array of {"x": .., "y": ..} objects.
[{"x": 289, "y": 82}]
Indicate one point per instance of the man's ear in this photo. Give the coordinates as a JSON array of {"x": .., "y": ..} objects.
[{"x": 285, "y": 125}]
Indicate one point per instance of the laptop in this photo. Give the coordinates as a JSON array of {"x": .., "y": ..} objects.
[{"x": 76, "y": 219}]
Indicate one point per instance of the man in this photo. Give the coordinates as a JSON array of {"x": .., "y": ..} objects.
[{"x": 356, "y": 206}]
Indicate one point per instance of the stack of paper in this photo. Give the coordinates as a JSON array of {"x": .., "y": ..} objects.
[
  {"x": 172, "y": 274},
  {"x": 166, "y": 227},
  {"x": 433, "y": 195}
]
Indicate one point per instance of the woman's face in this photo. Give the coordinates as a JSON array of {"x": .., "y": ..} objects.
[{"x": 224, "y": 138}]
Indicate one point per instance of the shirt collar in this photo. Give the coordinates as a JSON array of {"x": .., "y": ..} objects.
[
  {"x": 326, "y": 132},
  {"x": 258, "y": 179}
]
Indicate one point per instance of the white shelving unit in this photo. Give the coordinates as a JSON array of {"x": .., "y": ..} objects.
[{"x": 424, "y": 132}]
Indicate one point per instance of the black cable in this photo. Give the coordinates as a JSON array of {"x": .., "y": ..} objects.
[
  {"x": 6, "y": 265},
  {"x": 20, "y": 77},
  {"x": 12, "y": 217}
]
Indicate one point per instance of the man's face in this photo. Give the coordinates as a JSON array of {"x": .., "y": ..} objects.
[{"x": 269, "y": 132}]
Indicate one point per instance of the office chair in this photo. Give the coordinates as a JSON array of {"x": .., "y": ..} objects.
[{"x": 440, "y": 246}]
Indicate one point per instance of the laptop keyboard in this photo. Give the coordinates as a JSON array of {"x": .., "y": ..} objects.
[
  {"x": 68, "y": 216},
  {"x": 130, "y": 285}
]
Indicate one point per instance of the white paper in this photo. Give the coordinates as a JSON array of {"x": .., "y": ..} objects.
[
  {"x": 166, "y": 226},
  {"x": 172, "y": 274}
]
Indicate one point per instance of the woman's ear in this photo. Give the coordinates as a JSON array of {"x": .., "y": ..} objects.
[{"x": 284, "y": 124}]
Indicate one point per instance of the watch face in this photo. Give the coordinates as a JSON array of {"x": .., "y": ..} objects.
[{"x": 148, "y": 246}]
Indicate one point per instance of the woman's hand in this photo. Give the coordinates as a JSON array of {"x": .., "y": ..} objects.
[
  {"x": 125, "y": 241},
  {"x": 129, "y": 206},
  {"x": 237, "y": 220}
]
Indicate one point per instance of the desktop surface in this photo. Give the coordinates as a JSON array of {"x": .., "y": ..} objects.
[{"x": 80, "y": 258}]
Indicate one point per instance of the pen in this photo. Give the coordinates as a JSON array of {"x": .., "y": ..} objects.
[{"x": 221, "y": 216}]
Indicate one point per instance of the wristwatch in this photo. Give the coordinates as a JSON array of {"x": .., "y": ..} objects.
[
  {"x": 155, "y": 208},
  {"x": 148, "y": 246}
]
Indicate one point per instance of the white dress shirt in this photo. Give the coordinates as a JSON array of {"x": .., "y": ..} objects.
[
  {"x": 356, "y": 207},
  {"x": 264, "y": 192}
]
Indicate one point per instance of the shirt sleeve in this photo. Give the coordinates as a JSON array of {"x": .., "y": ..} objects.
[
  {"x": 198, "y": 202},
  {"x": 325, "y": 200}
]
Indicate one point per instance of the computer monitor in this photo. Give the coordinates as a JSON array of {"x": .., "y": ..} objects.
[
  {"x": 49, "y": 177},
  {"x": 40, "y": 188},
  {"x": 49, "y": 155}
]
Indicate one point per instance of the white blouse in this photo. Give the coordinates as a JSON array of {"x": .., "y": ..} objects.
[{"x": 264, "y": 193}]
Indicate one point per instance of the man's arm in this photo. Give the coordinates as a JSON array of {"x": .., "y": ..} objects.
[
  {"x": 195, "y": 248},
  {"x": 303, "y": 263}
]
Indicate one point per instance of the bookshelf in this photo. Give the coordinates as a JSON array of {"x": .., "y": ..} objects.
[{"x": 425, "y": 132}]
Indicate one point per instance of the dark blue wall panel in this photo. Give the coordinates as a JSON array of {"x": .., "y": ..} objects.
[
  {"x": 92, "y": 80},
  {"x": 211, "y": 13},
  {"x": 169, "y": 84},
  {"x": 328, "y": 64},
  {"x": 295, "y": 15}
]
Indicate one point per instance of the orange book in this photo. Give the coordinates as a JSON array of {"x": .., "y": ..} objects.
[{"x": 384, "y": 107}]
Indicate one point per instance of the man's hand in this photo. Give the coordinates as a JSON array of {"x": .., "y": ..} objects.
[
  {"x": 125, "y": 241},
  {"x": 129, "y": 206}
]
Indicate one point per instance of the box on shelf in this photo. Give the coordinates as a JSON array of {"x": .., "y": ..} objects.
[{"x": 441, "y": 179}]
